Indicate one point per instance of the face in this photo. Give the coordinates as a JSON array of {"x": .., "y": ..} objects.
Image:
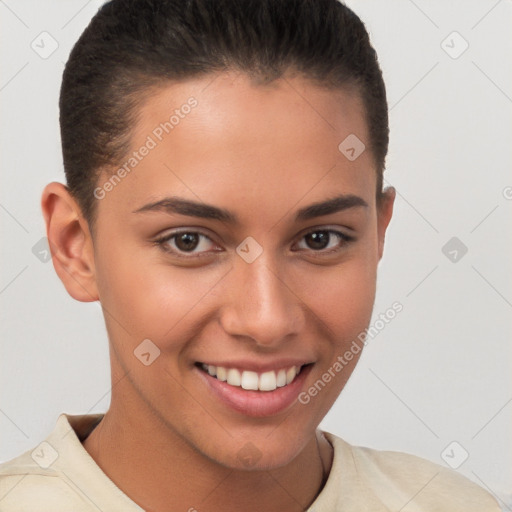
[{"x": 244, "y": 245}]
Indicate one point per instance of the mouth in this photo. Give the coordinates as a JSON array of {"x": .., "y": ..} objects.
[{"x": 255, "y": 393}]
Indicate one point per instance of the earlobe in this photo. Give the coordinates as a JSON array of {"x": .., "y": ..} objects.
[
  {"x": 385, "y": 212},
  {"x": 70, "y": 242}
]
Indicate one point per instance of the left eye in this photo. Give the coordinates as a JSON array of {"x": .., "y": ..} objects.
[
  {"x": 186, "y": 242},
  {"x": 323, "y": 239}
]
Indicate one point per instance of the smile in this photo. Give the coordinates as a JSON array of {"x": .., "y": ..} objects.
[
  {"x": 254, "y": 388},
  {"x": 253, "y": 381}
]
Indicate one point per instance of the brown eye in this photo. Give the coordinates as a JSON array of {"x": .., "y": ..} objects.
[
  {"x": 187, "y": 241},
  {"x": 324, "y": 241},
  {"x": 318, "y": 239},
  {"x": 187, "y": 244}
]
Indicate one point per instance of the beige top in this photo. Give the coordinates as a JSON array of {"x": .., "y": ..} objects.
[{"x": 60, "y": 476}]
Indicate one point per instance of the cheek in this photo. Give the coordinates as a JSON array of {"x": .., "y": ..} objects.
[
  {"x": 151, "y": 299},
  {"x": 342, "y": 301},
  {"x": 342, "y": 297}
]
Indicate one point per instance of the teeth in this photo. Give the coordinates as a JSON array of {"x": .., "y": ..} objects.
[
  {"x": 281, "y": 378},
  {"x": 234, "y": 377},
  {"x": 290, "y": 374},
  {"x": 222, "y": 374},
  {"x": 267, "y": 381},
  {"x": 250, "y": 380}
]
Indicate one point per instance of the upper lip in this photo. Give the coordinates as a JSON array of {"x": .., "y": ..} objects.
[{"x": 258, "y": 367}]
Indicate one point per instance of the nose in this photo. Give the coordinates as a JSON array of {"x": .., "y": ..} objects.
[{"x": 261, "y": 304}]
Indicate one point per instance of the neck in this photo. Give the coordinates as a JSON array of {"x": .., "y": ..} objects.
[{"x": 160, "y": 471}]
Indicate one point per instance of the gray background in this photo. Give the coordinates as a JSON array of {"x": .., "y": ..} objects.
[{"x": 440, "y": 371}]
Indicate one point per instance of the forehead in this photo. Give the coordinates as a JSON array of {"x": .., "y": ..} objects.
[{"x": 223, "y": 138}]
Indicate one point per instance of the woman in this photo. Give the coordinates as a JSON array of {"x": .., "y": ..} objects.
[{"x": 224, "y": 203}]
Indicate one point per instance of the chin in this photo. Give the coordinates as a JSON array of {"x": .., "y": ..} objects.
[{"x": 259, "y": 452}]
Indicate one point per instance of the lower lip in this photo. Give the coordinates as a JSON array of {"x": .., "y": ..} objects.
[{"x": 256, "y": 403}]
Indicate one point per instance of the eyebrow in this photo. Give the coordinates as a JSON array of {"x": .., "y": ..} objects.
[
  {"x": 189, "y": 208},
  {"x": 337, "y": 204}
]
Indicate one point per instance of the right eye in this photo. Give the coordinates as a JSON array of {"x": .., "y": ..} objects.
[{"x": 187, "y": 243}]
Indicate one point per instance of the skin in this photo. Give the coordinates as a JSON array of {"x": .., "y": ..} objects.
[{"x": 262, "y": 152}]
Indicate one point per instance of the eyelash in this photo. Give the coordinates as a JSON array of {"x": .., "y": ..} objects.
[{"x": 162, "y": 242}]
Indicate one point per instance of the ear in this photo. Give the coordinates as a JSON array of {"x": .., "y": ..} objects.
[
  {"x": 384, "y": 214},
  {"x": 70, "y": 242}
]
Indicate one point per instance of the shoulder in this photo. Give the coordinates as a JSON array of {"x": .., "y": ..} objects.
[
  {"x": 55, "y": 475},
  {"x": 25, "y": 485},
  {"x": 401, "y": 480},
  {"x": 58, "y": 475}
]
